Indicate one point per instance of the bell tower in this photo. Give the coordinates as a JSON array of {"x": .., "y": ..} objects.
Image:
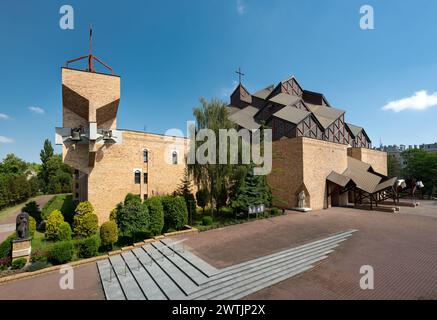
[{"x": 90, "y": 103}]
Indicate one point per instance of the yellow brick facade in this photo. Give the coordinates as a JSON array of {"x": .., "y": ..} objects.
[{"x": 377, "y": 159}]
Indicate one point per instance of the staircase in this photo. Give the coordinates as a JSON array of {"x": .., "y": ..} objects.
[{"x": 165, "y": 270}]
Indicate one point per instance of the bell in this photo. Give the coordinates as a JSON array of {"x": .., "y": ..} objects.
[
  {"x": 107, "y": 135},
  {"x": 75, "y": 135}
]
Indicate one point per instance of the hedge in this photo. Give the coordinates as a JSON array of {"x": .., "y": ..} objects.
[
  {"x": 207, "y": 220},
  {"x": 64, "y": 232},
  {"x": 175, "y": 212},
  {"x": 156, "y": 212},
  {"x": 61, "y": 252},
  {"x": 6, "y": 247},
  {"x": 88, "y": 247},
  {"x": 19, "y": 264}
]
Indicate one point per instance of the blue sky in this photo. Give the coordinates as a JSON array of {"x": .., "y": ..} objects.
[{"x": 170, "y": 53}]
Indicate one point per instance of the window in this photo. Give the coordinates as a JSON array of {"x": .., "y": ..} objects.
[
  {"x": 174, "y": 157},
  {"x": 137, "y": 177},
  {"x": 146, "y": 178},
  {"x": 146, "y": 155}
]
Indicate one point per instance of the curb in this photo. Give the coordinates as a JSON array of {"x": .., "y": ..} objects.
[{"x": 26, "y": 275}]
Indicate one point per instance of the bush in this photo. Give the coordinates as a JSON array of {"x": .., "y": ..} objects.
[
  {"x": 54, "y": 220},
  {"x": 61, "y": 252},
  {"x": 6, "y": 247},
  {"x": 19, "y": 264},
  {"x": 202, "y": 197},
  {"x": 113, "y": 215},
  {"x": 133, "y": 218},
  {"x": 156, "y": 212},
  {"x": 39, "y": 255},
  {"x": 86, "y": 225},
  {"x": 88, "y": 247},
  {"x": 32, "y": 226},
  {"x": 64, "y": 233},
  {"x": 132, "y": 197},
  {"x": 175, "y": 212},
  {"x": 5, "y": 263},
  {"x": 32, "y": 209},
  {"x": 109, "y": 233},
  {"x": 275, "y": 212},
  {"x": 207, "y": 221},
  {"x": 84, "y": 208}
]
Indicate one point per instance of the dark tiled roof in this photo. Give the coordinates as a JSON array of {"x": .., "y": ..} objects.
[{"x": 292, "y": 114}]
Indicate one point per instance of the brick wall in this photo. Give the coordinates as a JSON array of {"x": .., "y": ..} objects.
[{"x": 377, "y": 159}]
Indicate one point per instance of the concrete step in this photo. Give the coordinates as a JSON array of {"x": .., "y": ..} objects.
[
  {"x": 170, "y": 289},
  {"x": 147, "y": 284},
  {"x": 110, "y": 284},
  {"x": 252, "y": 275},
  {"x": 127, "y": 281},
  {"x": 187, "y": 268},
  {"x": 184, "y": 282},
  {"x": 197, "y": 262}
]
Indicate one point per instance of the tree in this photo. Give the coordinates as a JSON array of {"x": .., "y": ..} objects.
[
  {"x": 202, "y": 197},
  {"x": 45, "y": 155},
  {"x": 156, "y": 212},
  {"x": 86, "y": 223},
  {"x": 254, "y": 191},
  {"x": 393, "y": 166},
  {"x": 216, "y": 178},
  {"x": 54, "y": 220},
  {"x": 133, "y": 218},
  {"x": 32, "y": 209},
  {"x": 184, "y": 190},
  {"x": 175, "y": 212},
  {"x": 422, "y": 166}
]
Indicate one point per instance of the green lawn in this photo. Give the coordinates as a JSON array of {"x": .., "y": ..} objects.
[
  {"x": 8, "y": 211},
  {"x": 63, "y": 203}
]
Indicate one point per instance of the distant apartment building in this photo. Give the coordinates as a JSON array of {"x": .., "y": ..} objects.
[{"x": 395, "y": 151}]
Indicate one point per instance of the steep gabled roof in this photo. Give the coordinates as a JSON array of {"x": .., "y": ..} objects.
[
  {"x": 285, "y": 99},
  {"x": 325, "y": 115},
  {"x": 292, "y": 114},
  {"x": 264, "y": 93},
  {"x": 244, "y": 118}
]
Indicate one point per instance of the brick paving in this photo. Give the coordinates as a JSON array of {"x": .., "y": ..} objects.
[{"x": 402, "y": 248}]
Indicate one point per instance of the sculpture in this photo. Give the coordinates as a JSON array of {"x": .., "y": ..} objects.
[
  {"x": 22, "y": 226},
  {"x": 301, "y": 198}
]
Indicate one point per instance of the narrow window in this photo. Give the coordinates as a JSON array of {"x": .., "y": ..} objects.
[
  {"x": 174, "y": 157},
  {"x": 137, "y": 177},
  {"x": 146, "y": 178},
  {"x": 146, "y": 155}
]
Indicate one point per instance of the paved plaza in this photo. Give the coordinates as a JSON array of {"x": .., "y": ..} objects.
[{"x": 401, "y": 248}]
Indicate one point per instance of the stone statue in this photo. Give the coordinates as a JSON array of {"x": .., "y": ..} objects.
[
  {"x": 22, "y": 226},
  {"x": 301, "y": 197}
]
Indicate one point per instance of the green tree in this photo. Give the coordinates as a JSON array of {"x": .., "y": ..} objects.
[
  {"x": 422, "y": 166},
  {"x": 202, "y": 196},
  {"x": 253, "y": 191},
  {"x": 184, "y": 190},
  {"x": 54, "y": 221},
  {"x": 156, "y": 212},
  {"x": 45, "y": 155},
  {"x": 133, "y": 218},
  {"x": 393, "y": 166},
  {"x": 216, "y": 178},
  {"x": 86, "y": 223}
]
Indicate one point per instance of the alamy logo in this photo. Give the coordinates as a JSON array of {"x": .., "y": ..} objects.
[
  {"x": 367, "y": 281},
  {"x": 66, "y": 282},
  {"x": 67, "y": 19},
  {"x": 367, "y": 21},
  {"x": 225, "y": 146}
]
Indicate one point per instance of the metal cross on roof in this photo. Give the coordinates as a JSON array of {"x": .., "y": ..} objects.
[{"x": 240, "y": 75}]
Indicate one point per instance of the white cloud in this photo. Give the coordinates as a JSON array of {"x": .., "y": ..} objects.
[
  {"x": 4, "y": 116},
  {"x": 421, "y": 100},
  {"x": 37, "y": 110},
  {"x": 4, "y": 139},
  {"x": 241, "y": 7}
]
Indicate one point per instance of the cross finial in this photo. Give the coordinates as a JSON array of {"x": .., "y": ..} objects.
[{"x": 240, "y": 75}]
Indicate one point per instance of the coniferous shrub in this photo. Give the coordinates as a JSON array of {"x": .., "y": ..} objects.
[
  {"x": 175, "y": 212},
  {"x": 133, "y": 218},
  {"x": 88, "y": 247},
  {"x": 207, "y": 220},
  {"x": 54, "y": 220},
  {"x": 61, "y": 252},
  {"x": 84, "y": 208},
  {"x": 32, "y": 209},
  {"x": 156, "y": 212},
  {"x": 32, "y": 226},
  {"x": 109, "y": 233},
  {"x": 64, "y": 232},
  {"x": 6, "y": 246},
  {"x": 202, "y": 198},
  {"x": 86, "y": 225}
]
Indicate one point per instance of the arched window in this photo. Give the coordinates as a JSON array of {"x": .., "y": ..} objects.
[
  {"x": 137, "y": 177},
  {"x": 145, "y": 155},
  {"x": 174, "y": 157}
]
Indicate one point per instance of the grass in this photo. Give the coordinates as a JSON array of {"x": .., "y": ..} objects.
[
  {"x": 63, "y": 203},
  {"x": 11, "y": 210}
]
